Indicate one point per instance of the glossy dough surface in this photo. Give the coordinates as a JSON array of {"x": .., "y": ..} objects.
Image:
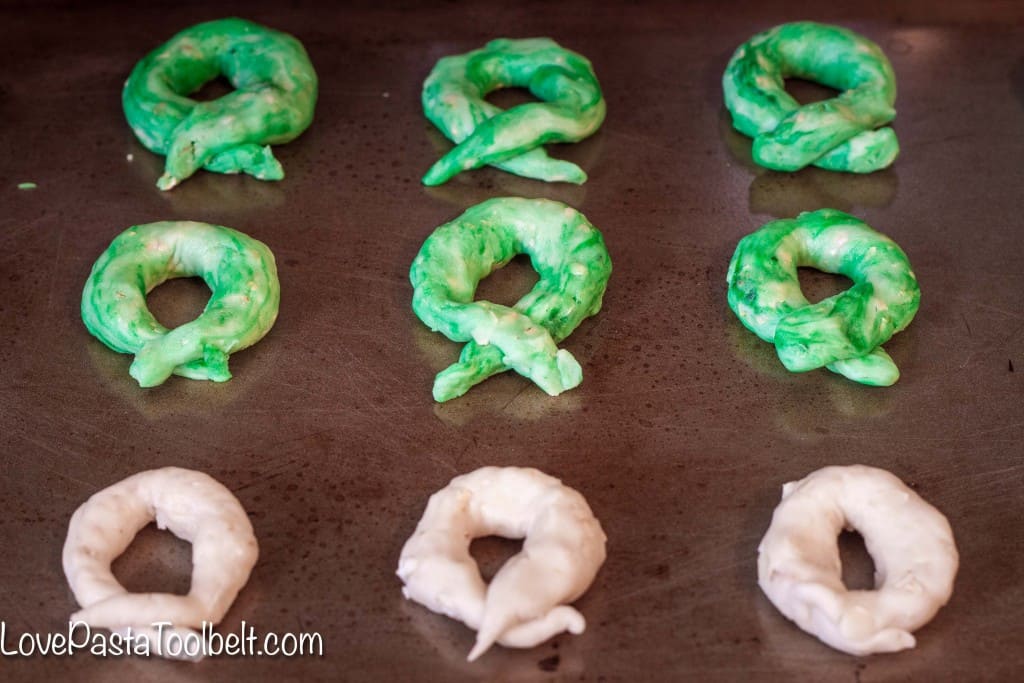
[
  {"x": 275, "y": 93},
  {"x": 568, "y": 254},
  {"x": 191, "y": 505},
  {"x": 843, "y": 332},
  {"x": 911, "y": 543},
  {"x": 525, "y": 603},
  {"x": 572, "y": 109},
  {"x": 845, "y": 133},
  {"x": 239, "y": 270}
]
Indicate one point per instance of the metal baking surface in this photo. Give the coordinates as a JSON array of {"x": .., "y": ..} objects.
[{"x": 685, "y": 426}]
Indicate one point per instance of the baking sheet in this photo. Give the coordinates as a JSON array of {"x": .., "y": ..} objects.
[{"x": 685, "y": 426}]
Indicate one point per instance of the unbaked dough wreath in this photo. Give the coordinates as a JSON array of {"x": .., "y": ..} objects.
[
  {"x": 844, "y": 332},
  {"x": 239, "y": 270},
  {"x": 526, "y": 601},
  {"x": 571, "y": 109},
  {"x": 845, "y": 133},
  {"x": 911, "y": 543},
  {"x": 194, "y": 507},
  {"x": 567, "y": 252},
  {"x": 275, "y": 93}
]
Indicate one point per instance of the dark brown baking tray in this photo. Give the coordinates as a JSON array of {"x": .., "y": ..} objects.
[{"x": 685, "y": 426}]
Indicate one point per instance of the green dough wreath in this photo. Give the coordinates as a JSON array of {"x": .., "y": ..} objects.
[
  {"x": 843, "y": 332},
  {"x": 275, "y": 92},
  {"x": 568, "y": 254},
  {"x": 572, "y": 109},
  {"x": 845, "y": 133},
  {"x": 239, "y": 270}
]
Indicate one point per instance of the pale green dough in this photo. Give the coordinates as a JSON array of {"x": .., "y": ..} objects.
[
  {"x": 275, "y": 92},
  {"x": 844, "y": 332},
  {"x": 572, "y": 109},
  {"x": 844, "y": 133},
  {"x": 239, "y": 270},
  {"x": 568, "y": 254}
]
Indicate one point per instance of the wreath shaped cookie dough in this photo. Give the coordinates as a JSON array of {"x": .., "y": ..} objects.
[
  {"x": 572, "y": 109},
  {"x": 845, "y": 133},
  {"x": 568, "y": 254},
  {"x": 239, "y": 270},
  {"x": 194, "y": 507},
  {"x": 843, "y": 332},
  {"x": 275, "y": 92},
  {"x": 526, "y": 601},
  {"x": 911, "y": 543}
]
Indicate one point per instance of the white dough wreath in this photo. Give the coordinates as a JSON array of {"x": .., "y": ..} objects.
[
  {"x": 911, "y": 543},
  {"x": 525, "y": 603},
  {"x": 194, "y": 507}
]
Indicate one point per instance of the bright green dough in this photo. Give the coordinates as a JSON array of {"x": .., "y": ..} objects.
[
  {"x": 844, "y": 133},
  {"x": 572, "y": 109},
  {"x": 844, "y": 332},
  {"x": 275, "y": 92},
  {"x": 239, "y": 270},
  {"x": 568, "y": 254}
]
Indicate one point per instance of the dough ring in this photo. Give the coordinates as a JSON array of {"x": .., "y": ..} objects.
[
  {"x": 844, "y": 133},
  {"x": 843, "y": 332},
  {"x": 567, "y": 252},
  {"x": 239, "y": 271},
  {"x": 525, "y": 603},
  {"x": 572, "y": 109},
  {"x": 194, "y": 507},
  {"x": 916, "y": 560},
  {"x": 275, "y": 92}
]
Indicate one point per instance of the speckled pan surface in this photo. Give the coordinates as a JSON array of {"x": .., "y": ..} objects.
[{"x": 685, "y": 427}]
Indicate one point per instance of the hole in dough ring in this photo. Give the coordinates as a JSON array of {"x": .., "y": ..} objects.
[
  {"x": 245, "y": 296},
  {"x": 191, "y": 505},
  {"x": 911, "y": 543},
  {"x": 568, "y": 254},
  {"x": 525, "y": 603},
  {"x": 844, "y": 332},
  {"x": 275, "y": 93},
  {"x": 845, "y": 133},
  {"x": 512, "y": 140}
]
